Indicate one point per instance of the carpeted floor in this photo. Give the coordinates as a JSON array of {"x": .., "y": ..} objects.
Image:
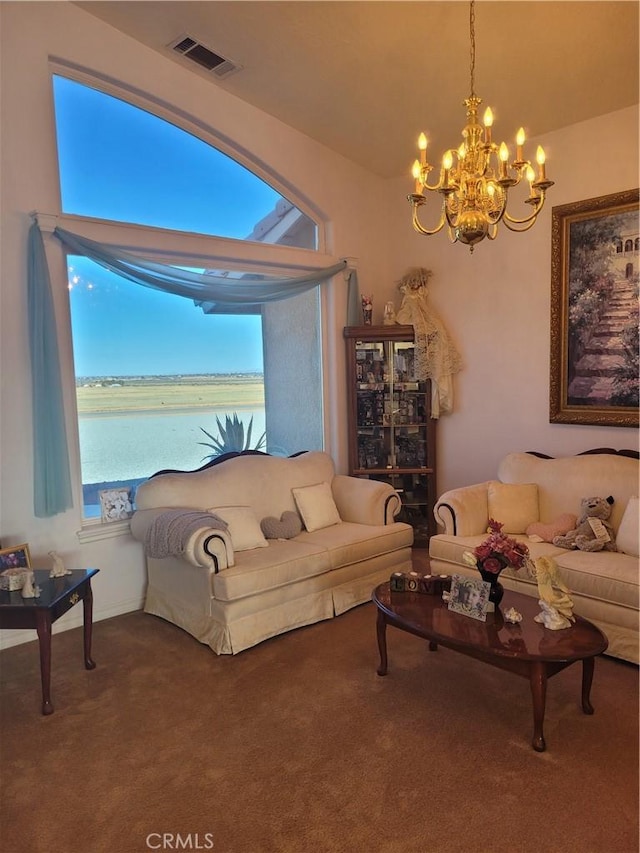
[{"x": 297, "y": 746}]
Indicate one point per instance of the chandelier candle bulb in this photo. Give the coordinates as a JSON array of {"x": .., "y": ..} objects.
[
  {"x": 519, "y": 143},
  {"x": 416, "y": 174},
  {"x": 422, "y": 145},
  {"x": 540, "y": 157},
  {"x": 488, "y": 122},
  {"x": 447, "y": 162},
  {"x": 504, "y": 156}
]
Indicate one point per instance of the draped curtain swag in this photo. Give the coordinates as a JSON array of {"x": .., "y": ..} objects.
[{"x": 52, "y": 489}]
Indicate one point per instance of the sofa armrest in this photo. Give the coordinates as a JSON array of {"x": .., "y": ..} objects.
[
  {"x": 464, "y": 511},
  {"x": 364, "y": 501},
  {"x": 205, "y": 547}
]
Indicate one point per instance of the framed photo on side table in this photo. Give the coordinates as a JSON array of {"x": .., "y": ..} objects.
[
  {"x": 595, "y": 248},
  {"x": 16, "y": 557}
]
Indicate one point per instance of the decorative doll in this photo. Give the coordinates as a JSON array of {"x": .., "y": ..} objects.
[{"x": 437, "y": 358}]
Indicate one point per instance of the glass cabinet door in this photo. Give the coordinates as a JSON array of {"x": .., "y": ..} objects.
[{"x": 392, "y": 434}]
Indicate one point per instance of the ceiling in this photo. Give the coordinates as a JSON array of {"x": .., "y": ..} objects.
[{"x": 364, "y": 78}]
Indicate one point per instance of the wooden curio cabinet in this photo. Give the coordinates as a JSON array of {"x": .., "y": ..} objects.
[{"x": 391, "y": 431}]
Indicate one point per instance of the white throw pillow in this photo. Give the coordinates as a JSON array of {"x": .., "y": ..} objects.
[
  {"x": 244, "y": 527},
  {"x": 515, "y": 505},
  {"x": 316, "y": 506},
  {"x": 628, "y": 535}
]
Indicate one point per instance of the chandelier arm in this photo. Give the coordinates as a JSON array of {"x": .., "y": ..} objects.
[
  {"x": 527, "y": 221},
  {"x": 435, "y": 188},
  {"x": 521, "y": 230},
  {"x": 420, "y": 229}
]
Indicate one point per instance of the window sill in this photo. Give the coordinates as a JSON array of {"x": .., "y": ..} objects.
[{"x": 92, "y": 532}]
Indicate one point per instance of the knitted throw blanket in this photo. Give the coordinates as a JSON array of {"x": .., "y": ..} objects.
[{"x": 170, "y": 531}]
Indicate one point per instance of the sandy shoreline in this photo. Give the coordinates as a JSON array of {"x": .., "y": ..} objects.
[{"x": 171, "y": 398}]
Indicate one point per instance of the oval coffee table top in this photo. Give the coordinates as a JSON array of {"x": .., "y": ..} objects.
[{"x": 428, "y": 616}]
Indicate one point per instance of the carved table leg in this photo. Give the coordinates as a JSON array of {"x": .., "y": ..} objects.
[
  {"x": 381, "y": 630},
  {"x": 538, "y": 683},
  {"x": 587, "y": 679},
  {"x": 43, "y": 627},
  {"x": 87, "y": 607}
]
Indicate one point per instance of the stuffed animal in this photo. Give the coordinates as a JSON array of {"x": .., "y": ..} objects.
[
  {"x": 593, "y": 532},
  {"x": 540, "y": 532}
]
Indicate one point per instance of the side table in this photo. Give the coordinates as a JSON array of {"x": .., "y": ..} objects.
[{"x": 57, "y": 595}]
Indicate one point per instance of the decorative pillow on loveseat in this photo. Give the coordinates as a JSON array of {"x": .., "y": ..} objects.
[
  {"x": 243, "y": 527},
  {"x": 514, "y": 505},
  {"x": 540, "y": 532},
  {"x": 287, "y": 527},
  {"x": 628, "y": 535},
  {"x": 316, "y": 506}
]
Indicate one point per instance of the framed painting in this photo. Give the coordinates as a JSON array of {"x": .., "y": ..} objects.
[{"x": 594, "y": 311}]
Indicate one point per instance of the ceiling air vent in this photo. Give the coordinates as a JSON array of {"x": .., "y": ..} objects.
[{"x": 203, "y": 56}]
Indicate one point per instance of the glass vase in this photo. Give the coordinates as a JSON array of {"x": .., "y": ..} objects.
[{"x": 497, "y": 590}]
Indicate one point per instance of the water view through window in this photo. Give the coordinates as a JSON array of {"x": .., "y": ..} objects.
[{"x": 154, "y": 371}]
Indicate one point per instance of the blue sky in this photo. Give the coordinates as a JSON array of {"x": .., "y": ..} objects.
[
  {"x": 124, "y": 329},
  {"x": 119, "y": 162}
]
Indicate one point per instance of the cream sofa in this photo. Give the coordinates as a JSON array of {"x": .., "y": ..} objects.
[
  {"x": 231, "y": 599},
  {"x": 529, "y": 488}
]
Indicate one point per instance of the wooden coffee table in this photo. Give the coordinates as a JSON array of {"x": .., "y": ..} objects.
[{"x": 527, "y": 649}]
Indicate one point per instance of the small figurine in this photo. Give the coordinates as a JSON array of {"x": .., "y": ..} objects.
[
  {"x": 29, "y": 589},
  {"x": 367, "y": 310},
  {"x": 389, "y": 318},
  {"x": 554, "y": 594},
  {"x": 59, "y": 569},
  {"x": 550, "y": 617}
]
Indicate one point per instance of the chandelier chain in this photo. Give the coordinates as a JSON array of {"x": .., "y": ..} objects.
[{"x": 472, "y": 41}]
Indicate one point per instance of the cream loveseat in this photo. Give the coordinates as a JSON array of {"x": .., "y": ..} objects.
[
  {"x": 530, "y": 488},
  {"x": 232, "y": 588}
]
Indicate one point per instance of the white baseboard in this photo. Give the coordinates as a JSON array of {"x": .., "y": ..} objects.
[{"x": 72, "y": 619}]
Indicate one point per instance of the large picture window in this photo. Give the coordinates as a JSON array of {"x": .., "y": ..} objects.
[{"x": 157, "y": 374}]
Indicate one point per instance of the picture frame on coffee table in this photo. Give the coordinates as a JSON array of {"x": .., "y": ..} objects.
[
  {"x": 469, "y": 597},
  {"x": 594, "y": 311}
]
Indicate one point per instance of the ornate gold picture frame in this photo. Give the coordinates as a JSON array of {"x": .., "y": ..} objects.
[{"x": 595, "y": 252}]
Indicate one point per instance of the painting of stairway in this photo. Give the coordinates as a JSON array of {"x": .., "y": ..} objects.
[{"x": 595, "y": 355}]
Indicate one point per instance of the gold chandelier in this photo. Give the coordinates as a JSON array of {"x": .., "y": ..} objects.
[{"x": 475, "y": 178}]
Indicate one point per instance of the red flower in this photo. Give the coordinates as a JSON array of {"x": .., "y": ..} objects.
[
  {"x": 492, "y": 564},
  {"x": 500, "y": 550}
]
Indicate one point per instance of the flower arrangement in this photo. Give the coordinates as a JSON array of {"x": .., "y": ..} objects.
[{"x": 497, "y": 552}]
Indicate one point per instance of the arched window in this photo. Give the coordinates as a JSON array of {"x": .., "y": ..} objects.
[
  {"x": 628, "y": 271},
  {"x": 636, "y": 244},
  {"x": 628, "y": 245},
  {"x": 618, "y": 247},
  {"x": 156, "y": 375}
]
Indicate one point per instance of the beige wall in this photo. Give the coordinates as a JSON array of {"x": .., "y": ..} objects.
[{"x": 495, "y": 303}]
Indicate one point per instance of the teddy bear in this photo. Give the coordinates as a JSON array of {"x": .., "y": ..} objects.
[{"x": 593, "y": 531}]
